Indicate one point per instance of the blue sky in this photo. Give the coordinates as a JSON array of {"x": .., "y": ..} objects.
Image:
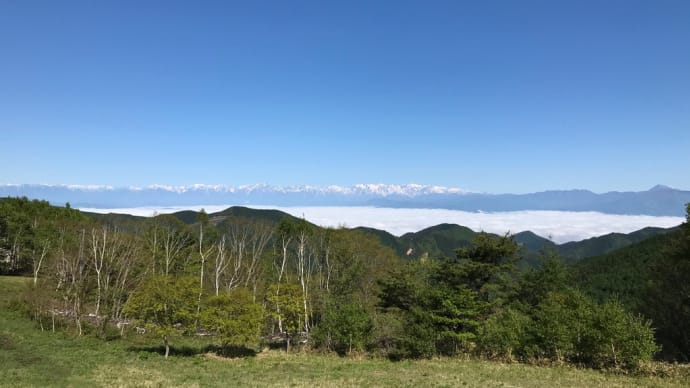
[{"x": 495, "y": 96}]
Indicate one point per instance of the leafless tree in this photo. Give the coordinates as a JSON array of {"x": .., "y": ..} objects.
[{"x": 220, "y": 263}]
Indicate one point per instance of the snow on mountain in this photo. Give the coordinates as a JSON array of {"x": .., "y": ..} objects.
[
  {"x": 182, "y": 194},
  {"x": 660, "y": 200},
  {"x": 376, "y": 189}
]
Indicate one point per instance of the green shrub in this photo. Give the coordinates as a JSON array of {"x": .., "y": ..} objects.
[
  {"x": 618, "y": 338},
  {"x": 234, "y": 316},
  {"x": 561, "y": 320},
  {"x": 504, "y": 335},
  {"x": 571, "y": 327},
  {"x": 345, "y": 327},
  {"x": 418, "y": 338}
]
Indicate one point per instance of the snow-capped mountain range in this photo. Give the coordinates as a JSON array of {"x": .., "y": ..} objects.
[
  {"x": 660, "y": 200},
  {"x": 156, "y": 192},
  {"x": 378, "y": 189}
]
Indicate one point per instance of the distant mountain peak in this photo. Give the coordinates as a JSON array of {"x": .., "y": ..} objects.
[{"x": 661, "y": 188}]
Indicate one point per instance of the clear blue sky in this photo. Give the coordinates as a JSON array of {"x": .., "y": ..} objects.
[{"x": 496, "y": 96}]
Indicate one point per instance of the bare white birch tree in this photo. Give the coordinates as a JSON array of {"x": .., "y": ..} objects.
[
  {"x": 286, "y": 231},
  {"x": 304, "y": 256},
  {"x": 220, "y": 264},
  {"x": 38, "y": 261},
  {"x": 99, "y": 240},
  {"x": 203, "y": 254}
]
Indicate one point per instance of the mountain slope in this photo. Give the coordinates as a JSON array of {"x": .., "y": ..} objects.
[
  {"x": 442, "y": 240},
  {"x": 658, "y": 201},
  {"x": 437, "y": 241},
  {"x": 270, "y": 215},
  {"x": 624, "y": 273},
  {"x": 573, "y": 251},
  {"x": 387, "y": 239},
  {"x": 533, "y": 242}
]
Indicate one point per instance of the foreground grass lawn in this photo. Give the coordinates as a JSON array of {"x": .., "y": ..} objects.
[{"x": 30, "y": 357}]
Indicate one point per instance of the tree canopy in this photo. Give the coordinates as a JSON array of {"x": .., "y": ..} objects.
[{"x": 246, "y": 281}]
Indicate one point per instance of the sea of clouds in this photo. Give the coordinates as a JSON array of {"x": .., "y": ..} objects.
[{"x": 559, "y": 226}]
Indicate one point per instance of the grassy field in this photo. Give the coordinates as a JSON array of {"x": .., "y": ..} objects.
[{"x": 31, "y": 357}]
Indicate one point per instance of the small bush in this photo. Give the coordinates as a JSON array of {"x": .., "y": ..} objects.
[
  {"x": 571, "y": 327},
  {"x": 505, "y": 335},
  {"x": 618, "y": 338},
  {"x": 568, "y": 326},
  {"x": 345, "y": 327},
  {"x": 417, "y": 339},
  {"x": 235, "y": 317}
]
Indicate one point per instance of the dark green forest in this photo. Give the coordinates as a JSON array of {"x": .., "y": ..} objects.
[{"x": 245, "y": 279}]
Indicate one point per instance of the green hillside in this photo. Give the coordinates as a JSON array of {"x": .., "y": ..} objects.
[
  {"x": 131, "y": 223},
  {"x": 436, "y": 241},
  {"x": 533, "y": 247},
  {"x": 573, "y": 251},
  {"x": 649, "y": 278},
  {"x": 280, "y": 270},
  {"x": 533, "y": 242},
  {"x": 257, "y": 214},
  {"x": 187, "y": 216},
  {"x": 440, "y": 240},
  {"x": 624, "y": 273},
  {"x": 387, "y": 239},
  {"x": 124, "y": 222}
]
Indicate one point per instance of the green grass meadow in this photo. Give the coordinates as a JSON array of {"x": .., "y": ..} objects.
[{"x": 31, "y": 357}]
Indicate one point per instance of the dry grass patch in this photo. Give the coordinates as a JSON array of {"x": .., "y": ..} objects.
[{"x": 114, "y": 376}]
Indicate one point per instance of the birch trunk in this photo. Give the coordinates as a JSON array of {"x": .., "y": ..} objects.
[{"x": 37, "y": 266}]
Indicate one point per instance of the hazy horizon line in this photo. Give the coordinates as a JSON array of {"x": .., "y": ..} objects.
[{"x": 331, "y": 188}]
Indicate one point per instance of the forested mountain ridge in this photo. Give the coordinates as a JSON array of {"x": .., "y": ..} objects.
[
  {"x": 626, "y": 272},
  {"x": 600, "y": 245},
  {"x": 442, "y": 240},
  {"x": 437, "y": 241},
  {"x": 649, "y": 278}
]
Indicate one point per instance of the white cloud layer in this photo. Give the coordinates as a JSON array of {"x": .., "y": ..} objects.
[{"x": 558, "y": 225}]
